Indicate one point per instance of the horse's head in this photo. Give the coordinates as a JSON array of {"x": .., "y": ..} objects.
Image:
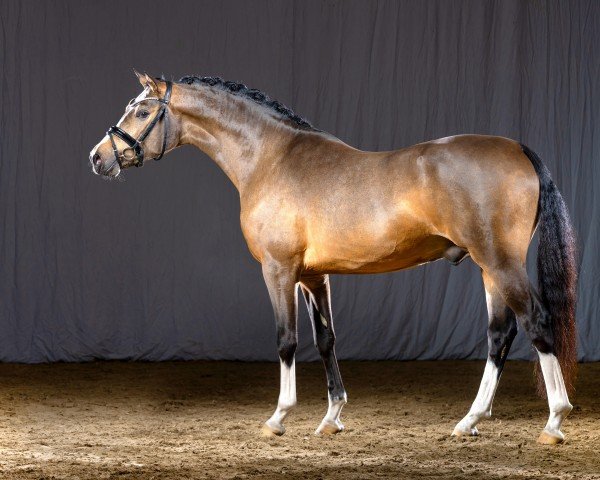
[{"x": 144, "y": 131}]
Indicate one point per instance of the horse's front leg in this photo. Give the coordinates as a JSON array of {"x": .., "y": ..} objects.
[
  {"x": 318, "y": 300},
  {"x": 281, "y": 280}
]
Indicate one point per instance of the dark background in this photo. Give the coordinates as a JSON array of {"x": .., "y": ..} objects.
[{"x": 156, "y": 268}]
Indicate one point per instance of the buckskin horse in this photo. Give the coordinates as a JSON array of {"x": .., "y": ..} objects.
[{"x": 312, "y": 205}]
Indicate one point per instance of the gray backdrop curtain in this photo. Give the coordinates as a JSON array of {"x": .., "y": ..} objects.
[{"x": 156, "y": 268}]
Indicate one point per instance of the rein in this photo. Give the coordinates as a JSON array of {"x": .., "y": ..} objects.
[{"x": 134, "y": 151}]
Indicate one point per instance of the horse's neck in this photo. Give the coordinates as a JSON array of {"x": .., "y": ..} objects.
[{"x": 236, "y": 134}]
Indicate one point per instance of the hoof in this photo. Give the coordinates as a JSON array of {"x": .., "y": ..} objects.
[
  {"x": 457, "y": 432},
  {"x": 551, "y": 438},
  {"x": 271, "y": 430},
  {"x": 329, "y": 428}
]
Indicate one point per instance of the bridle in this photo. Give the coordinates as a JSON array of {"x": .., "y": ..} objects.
[{"x": 134, "y": 151}]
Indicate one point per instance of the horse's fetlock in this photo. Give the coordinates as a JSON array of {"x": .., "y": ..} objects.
[
  {"x": 562, "y": 408},
  {"x": 342, "y": 398},
  {"x": 476, "y": 415}
]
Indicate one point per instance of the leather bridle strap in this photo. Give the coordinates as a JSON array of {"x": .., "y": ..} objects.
[{"x": 135, "y": 150}]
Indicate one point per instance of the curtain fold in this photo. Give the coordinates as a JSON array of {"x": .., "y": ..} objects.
[{"x": 156, "y": 268}]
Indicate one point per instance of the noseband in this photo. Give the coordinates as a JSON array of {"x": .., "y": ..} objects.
[{"x": 134, "y": 151}]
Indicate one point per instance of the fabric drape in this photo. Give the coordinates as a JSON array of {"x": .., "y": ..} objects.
[{"x": 156, "y": 267}]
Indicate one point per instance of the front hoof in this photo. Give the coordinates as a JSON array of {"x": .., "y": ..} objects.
[
  {"x": 329, "y": 428},
  {"x": 272, "y": 429},
  {"x": 551, "y": 438},
  {"x": 458, "y": 432}
]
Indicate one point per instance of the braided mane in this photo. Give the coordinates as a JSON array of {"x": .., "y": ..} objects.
[{"x": 257, "y": 96}]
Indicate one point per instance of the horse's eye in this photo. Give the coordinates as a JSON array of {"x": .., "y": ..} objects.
[{"x": 142, "y": 114}]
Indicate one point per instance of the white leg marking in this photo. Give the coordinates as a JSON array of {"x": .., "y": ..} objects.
[
  {"x": 287, "y": 398},
  {"x": 331, "y": 423},
  {"x": 558, "y": 401},
  {"x": 482, "y": 406}
]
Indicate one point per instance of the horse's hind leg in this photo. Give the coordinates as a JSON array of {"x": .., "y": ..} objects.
[
  {"x": 502, "y": 328},
  {"x": 522, "y": 298},
  {"x": 317, "y": 296}
]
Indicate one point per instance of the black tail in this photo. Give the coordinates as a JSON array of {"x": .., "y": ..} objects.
[{"x": 557, "y": 272}]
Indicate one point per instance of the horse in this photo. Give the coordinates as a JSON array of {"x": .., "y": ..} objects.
[{"x": 312, "y": 206}]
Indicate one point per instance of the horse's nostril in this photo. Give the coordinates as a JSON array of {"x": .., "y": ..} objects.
[{"x": 96, "y": 159}]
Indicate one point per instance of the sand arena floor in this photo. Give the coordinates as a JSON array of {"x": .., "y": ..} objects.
[{"x": 202, "y": 420}]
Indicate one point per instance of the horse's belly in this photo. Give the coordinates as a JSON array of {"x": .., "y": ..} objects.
[{"x": 372, "y": 254}]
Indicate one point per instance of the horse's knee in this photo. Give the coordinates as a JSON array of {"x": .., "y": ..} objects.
[{"x": 287, "y": 348}]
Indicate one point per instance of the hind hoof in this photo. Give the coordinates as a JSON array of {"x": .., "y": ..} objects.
[
  {"x": 551, "y": 438},
  {"x": 272, "y": 430},
  {"x": 329, "y": 428},
  {"x": 473, "y": 432}
]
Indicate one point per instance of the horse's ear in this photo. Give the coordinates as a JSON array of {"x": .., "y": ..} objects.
[
  {"x": 140, "y": 76},
  {"x": 146, "y": 81}
]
